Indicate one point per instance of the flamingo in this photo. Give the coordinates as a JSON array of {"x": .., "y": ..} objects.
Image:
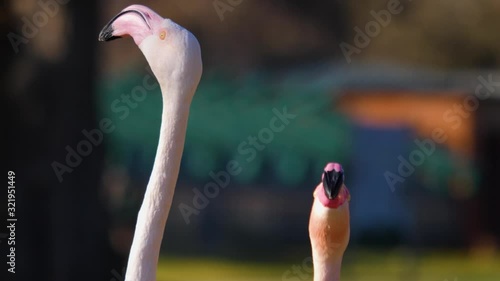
[
  {"x": 174, "y": 56},
  {"x": 329, "y": 226}
]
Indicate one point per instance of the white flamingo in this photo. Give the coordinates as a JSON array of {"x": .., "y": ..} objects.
[
  {"x": 329, "y": 225},
  {"x": 174, "y": 56}
]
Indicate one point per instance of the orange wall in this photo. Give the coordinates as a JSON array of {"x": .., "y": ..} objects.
[{"x": 425, "y": 112}]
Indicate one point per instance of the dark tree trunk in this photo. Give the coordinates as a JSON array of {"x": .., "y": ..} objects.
[
  {"x": 488, "y": 162},
  {"x": 62, "y": 228}
]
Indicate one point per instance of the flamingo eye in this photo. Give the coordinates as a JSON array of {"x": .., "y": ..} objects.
[{"x": 163, "y": 34}]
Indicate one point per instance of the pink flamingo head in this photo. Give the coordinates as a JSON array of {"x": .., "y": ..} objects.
[
  {"x": 136, "y": 21},
  {"x": 172, "y": 52},
  {"x": 332, "y": 192}
]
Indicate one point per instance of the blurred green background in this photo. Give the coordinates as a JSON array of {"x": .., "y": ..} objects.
[{"x": 366, "y": 85}]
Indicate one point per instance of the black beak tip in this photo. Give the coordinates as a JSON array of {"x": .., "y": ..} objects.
[
  {"x": 332, "y": 182},
  {"x": 107, "y": 34}
]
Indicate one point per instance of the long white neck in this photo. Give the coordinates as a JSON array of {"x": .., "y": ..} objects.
[
  {"x": 143, "y": 258},
  {"x": 329, "y": 233},
  {"x": 327, "y": 270}
]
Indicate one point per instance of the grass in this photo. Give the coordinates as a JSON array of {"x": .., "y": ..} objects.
[{"x": 362, "y": 266}]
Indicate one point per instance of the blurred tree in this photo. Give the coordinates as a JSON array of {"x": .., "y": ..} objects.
[{"x": 443, "y": 34}]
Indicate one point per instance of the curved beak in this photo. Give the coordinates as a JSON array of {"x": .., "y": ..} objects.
[
  {"x": 332, "y": 182},
  {"x": 108, "y": 33}
]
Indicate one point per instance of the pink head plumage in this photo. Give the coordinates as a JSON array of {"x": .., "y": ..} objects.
[{"x": 137, "y": 21}]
